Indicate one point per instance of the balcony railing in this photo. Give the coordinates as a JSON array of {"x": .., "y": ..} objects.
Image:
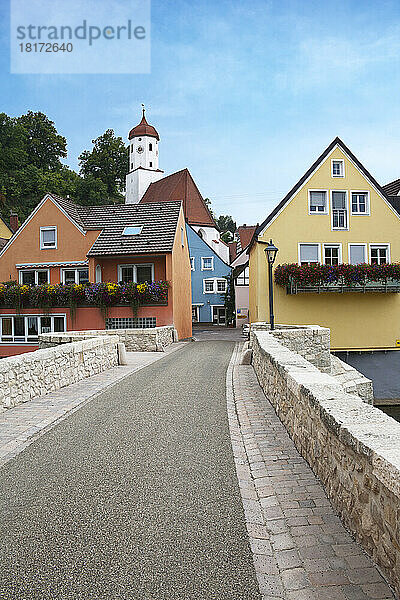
[{"x": 385, "y": 286}]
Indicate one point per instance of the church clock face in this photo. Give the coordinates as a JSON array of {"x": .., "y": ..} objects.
[{"x": 140, "y": 149}]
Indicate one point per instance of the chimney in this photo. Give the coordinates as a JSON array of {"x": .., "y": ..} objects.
[{"x": 13, "y": 221}]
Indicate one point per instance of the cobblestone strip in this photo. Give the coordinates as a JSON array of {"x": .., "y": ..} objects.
[
  {"x": 300, "y": 548},
  {"x": 23, "y": 424}
]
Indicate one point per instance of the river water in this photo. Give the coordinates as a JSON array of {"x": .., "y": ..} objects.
[{"x": 392, "y": 411}]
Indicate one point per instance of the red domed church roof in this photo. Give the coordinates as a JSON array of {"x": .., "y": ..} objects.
[{"x": 143, "y": 129}]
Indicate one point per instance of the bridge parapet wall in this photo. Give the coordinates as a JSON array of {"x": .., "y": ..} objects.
[
  {"x": 312, "y": 342},
  {"x": 154, "y": 339},
  {"x": 353, "y": 447},
  {"x": 37, "y": 373}
]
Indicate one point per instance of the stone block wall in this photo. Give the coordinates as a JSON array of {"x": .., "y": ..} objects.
[
  {"x": 353, "y": 447},
  {"x": 352, "y": 380},
  {"x": 310, "y": 341},
  {"x": 136, "y": 340},
  {"x": 37, "y": 373}
]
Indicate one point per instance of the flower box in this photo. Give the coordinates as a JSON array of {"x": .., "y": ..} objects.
[{"x": 316, "y": 278}]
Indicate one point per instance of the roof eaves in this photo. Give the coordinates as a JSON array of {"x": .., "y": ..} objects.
[
  {"x": 336, "y": 142},
  {"x": 212, "y": 249}
]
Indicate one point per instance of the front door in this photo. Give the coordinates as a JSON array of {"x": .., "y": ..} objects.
[
  {"x": 195, "y": 314},
  {"x": 219, "y": 315}
]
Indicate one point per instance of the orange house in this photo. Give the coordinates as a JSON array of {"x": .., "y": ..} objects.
[{"x": 62, "y": 242}]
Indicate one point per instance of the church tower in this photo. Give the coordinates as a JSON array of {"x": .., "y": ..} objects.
[{"x": 143, "y": 160}]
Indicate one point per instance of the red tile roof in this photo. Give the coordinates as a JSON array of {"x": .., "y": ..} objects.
[
  {"x": 180, "y": 186},
  {"x": 232, "y": 251},
  {"x": 245, "y": 233}
]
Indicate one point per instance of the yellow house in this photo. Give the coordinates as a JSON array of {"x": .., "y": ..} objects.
[
  {"x": 336, "y": 213},
  {"x": 5, "y": 233}
]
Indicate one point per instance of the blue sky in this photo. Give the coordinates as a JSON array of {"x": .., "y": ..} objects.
[{"x": 244, "y": 94}]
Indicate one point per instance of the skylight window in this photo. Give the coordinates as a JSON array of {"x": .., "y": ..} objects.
[{"x": 132, "y": 230}]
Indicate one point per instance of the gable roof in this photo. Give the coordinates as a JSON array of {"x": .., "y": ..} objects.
[
  {"x": 72, "y": 209},
  {"x": 181, "y": 186},
  {"x": 392, "y": 188},
  {"x": 245, "y": 233},
  {"x": 158, "y": 220},
  {"x": 232, "y": 251},
  {"x": 336, "y": 142},
  {"x": 205, "y": 243}
]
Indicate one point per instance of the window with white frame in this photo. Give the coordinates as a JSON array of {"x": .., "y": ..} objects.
[
  {"x": 332, "y": 254},
  {"x": 25, "y": 329},
  {"x": 221, "y": 286},
  {"x": 337, "y": 168},
  {"x": 182, "y": 237},
  {"x": 75, "y": 275},
  {"x": 136, "y": 273},
  {"x": 357, "y": 254},
  {"x": 208, "y": 286},
  {"x": 339, "y": 210},
  {"x": 192, "y": 263},
  {"x": 318, "y": 202},
  {"x": 34, "y": 276},
  {"x": 243, "y": 277},
  {"x": 359, "y": 203},
  {"x": 48, "y": 238},
  {"x": 207, "y": 263},
  {"x": 214, "y": 286},
  {"x": 308, "y": 253},
  {"x": 98, "y": 274},
  {"x": 379, "y": 254}
]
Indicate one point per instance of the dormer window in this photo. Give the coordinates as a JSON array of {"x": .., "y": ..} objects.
[
  {"x": 337, "y": 168},
  {"x": 48, "y": 238},
  {"x": 132, "y": 230}
]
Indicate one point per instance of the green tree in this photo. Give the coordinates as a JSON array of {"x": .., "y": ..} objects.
[
  {"x": 44, "y": 146},
  {"x": 226, "y": 223},
  {"x": 207, "y": 202},
  {"x": 90, "y": 191},
  {"x": 108, "y": 161},
  {"x": 230, "y": 302}
]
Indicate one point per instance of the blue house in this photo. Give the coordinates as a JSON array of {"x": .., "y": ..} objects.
[{"x": 209, "y": 285}]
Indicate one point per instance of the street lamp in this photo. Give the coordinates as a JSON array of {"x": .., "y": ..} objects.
[{"x": 271, "y": 252}]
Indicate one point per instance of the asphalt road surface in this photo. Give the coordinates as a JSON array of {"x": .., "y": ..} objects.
[{"x": 134, "y": 496}]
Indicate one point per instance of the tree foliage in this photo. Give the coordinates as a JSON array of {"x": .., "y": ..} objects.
[
  {"x": 31, "y": 151},
  {"x": 44, "y": 146},
  {"x": 107, "y": 161},
  {"x": 230, "y": 302},
  {"x": 226, "y": 223}
]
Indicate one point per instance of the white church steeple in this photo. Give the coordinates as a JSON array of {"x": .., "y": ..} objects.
[{"x": 143, "y": 160}]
